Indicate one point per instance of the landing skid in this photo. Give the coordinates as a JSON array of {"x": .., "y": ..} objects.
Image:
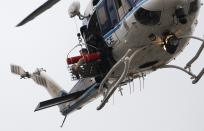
[
  {"x": 187, "y": 68},
  {"x": 126, "y": 60}
]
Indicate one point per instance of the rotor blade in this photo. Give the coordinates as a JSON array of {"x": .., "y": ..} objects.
[
  {"x": 38, "y": 11},
  {"x": 18, "y": 70},
  {"x": 59, "y": 100}
]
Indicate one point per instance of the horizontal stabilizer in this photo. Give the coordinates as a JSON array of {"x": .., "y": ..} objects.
[{"x": 59, "y": 100}]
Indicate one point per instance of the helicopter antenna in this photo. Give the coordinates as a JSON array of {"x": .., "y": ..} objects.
[
  {"x": 133, "y": 86},
  {"x": 143, "y": 79},
  {"x": 140, "y": 84},
  {"x": 63, "y": 121}
]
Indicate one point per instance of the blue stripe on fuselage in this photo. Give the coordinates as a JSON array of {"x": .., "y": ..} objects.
[{"x": 135, "y": 8}]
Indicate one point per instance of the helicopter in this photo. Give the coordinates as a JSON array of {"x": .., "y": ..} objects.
[{"x": 123, "y": 40}]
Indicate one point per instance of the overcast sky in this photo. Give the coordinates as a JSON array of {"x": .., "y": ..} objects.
[{"x": 169, "y": 101}]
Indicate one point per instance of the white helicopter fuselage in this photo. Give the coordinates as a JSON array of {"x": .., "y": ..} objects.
[{"x": 131, "y": 33}]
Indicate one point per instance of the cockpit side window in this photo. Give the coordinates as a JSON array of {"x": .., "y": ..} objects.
[
  {"x": 112, "y": 12},
  {"x": 123, "y": 7},
  {"x": 147, "y": 17},
  {"x": 109, "y": 12},
  {"x": 103, "y": 18}
]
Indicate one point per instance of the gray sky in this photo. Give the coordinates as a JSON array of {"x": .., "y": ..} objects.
[{"x": 169, "y": 101}]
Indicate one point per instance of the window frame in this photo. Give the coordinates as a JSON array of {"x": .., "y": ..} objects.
[
  {"x": 116, "y": 13},
  {"x": 110, "y": 24},
  {"x": 125, "y": 12}
]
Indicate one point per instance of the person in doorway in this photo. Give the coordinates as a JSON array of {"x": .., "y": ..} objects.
[{"x": 76, "y": 67}]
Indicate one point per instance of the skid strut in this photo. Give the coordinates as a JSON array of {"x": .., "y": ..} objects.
[
  {"x": 126, "y": 60},
  {"x": 188, "y": 65},
  {"x": 187, "y": 68}
]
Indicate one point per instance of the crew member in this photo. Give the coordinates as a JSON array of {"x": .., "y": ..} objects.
[{"x": 76, "y": 67}]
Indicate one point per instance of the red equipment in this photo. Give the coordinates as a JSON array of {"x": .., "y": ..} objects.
[{"x": 88, "y": 58}]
